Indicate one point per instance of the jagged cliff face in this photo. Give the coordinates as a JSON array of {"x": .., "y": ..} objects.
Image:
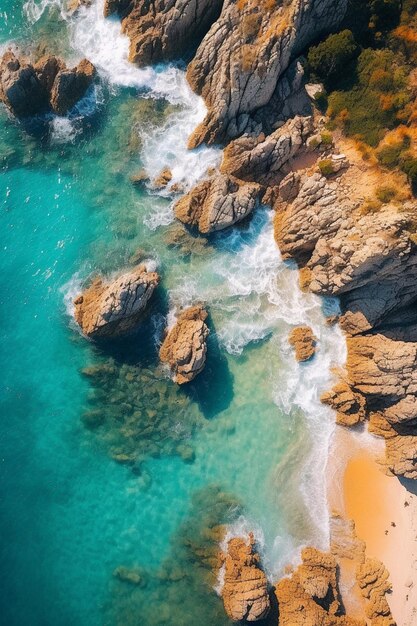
[
  {"x": 163, "y": 30},
  {"x": 239, "y": 64}
]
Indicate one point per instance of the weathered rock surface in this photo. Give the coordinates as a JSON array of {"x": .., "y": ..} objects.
[
  {"x": 373, "y": 581},
  {"x": 163, "y": 30},
  {"x": 112, "y": 308},
  {"x": 28, "y": 89},
  {"x": 304, "y": 342},
  {"x": 20, "y": 88},
  {"x": 238, "y": 66},
  {"x": 184, "y": 348},
  {"x": 70, "y": 86},
  {"x": 310, "y": 597},
  {"x": 216, "y": 203},
  {"x": 245, "y": 591},
  {"x": 261, "y": 158},
  {"x": 369, "y": 260},
  {"x": 348, "y": 404}
]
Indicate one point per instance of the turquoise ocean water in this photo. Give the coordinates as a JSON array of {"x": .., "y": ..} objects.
[{"x": 236, "y": 447}]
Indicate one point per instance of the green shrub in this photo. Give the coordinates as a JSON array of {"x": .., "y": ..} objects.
[
  {"x": 321, "y": 101},
  {"x": 330, "y": 57},
  {"x": 326, "y": 139},
  {"x": 326, "y": 167},
  {"x": 386, "y": 193},
  {"x": 409, "y": 167}
]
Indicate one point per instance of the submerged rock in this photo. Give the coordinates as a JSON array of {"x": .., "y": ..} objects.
[
  {"x": 128, "y": 575},
  {"x": 113, "y": 308},
  {"x": 304, "y": 342},
  {"x": 216, "y": 203},
  {"x": 28, "y": 89},
  {"x": 245, "y": 590},
  {"x": 163, "y": 30},
  {"x": 184, "y": 348}
]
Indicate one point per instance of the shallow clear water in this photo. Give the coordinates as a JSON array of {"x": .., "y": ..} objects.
[{"x": 243, "y": 445}]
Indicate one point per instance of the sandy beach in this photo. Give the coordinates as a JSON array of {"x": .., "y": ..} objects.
[{"x": 385, "y": 515}]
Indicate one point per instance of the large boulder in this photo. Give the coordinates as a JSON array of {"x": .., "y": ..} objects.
[
  {"x": 216, "y": 203},
  {"x": 239, "y": 64},
  {"x": 112, "y": 308},
  {"x": 163, "y": 30},
  {"x": 30, "y": 89},
  {"x": 304, "y": 342},
  {"x": 261, "y": 158},
  {"x": 245, "y": 590},
  {"x": 70, "y": 85},
  {"x": 184, "y": 348},
  {"x": 20, "y": 88}
]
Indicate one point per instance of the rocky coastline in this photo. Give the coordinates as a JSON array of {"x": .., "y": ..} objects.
[{"x": 245, "y": 64}]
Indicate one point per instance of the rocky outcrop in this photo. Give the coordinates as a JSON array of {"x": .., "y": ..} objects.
[
  {"x": 373, "y": 581},
  {"x": 240, "y": 63},
  {"x": 216, "y": 203},
  {"x": 310, "y": 597},
  {"x": 163, "y": 30},
  {"x": 30, "y": 89},
  {"x": 348, "y": 404},
  {"x": 184, "y": 348},
  {"x": 245, "y": 590},
  {"x": 70, "y": 85},
  {"x": 111, "y": 308},
  {"x": 304, "y": 342},
  {"x": 261, "y": 158},
  {"x": 368, "y": 259}
]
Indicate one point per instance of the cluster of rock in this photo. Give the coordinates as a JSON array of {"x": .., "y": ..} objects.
[
  {"x": 163, "y": 30},
  {"x": 48, "y": 85},
  {"x": 368, "y": 260},
  {"x": 107, "y": 309},
  {"x": 184, "y": 348},
  {"x": 311, "y": 595}
]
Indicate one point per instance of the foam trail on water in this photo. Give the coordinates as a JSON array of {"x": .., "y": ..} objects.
[
  {"x": 256, "y": 294},
  {"x": 101, "y": 41}
]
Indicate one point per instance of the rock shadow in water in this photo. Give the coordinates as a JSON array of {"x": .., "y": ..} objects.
[{"x": 213, "y": 388}]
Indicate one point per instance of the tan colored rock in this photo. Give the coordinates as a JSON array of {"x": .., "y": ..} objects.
[
  {"x": 304, "y": 342},
  {"x": 382, "y": 368},
  {"x": 216, "y": 203},
  {"x": 260, "y": 159},
  {"x": 163, "y": 30},
  {"x": 298, "y": 603},
  {"x": 29, "y": 89},
  {"x": 350, "y": 406},
  {"x": 71, "y": 85},
  {"x": 245, "y": 591},
  {"x": 162, "y": 180},
  {"x": 373, "y": 580},
  {"x": 243, "y": 58},
  {"x": 112, "y": 308},
  {"x": 184, "y": 348}
]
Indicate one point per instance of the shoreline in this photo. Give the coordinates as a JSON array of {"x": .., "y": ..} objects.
[{"x": 385, "y": 518}]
